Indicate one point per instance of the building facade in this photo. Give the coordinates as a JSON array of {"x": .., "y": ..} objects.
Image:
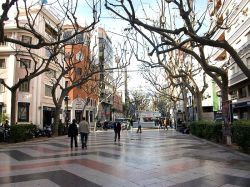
[
  {"x": 238, "y": 36},
  {"x": 104, "y": 59},
  {"x": 34, "y": 102},
  {"x": 81, "y": 100}
]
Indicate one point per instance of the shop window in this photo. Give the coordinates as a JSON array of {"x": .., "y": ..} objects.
[
  {"x": 23, "y": 112},
  {"x": 91, "y": 116},
  {"x": 25, "y": 63},
  {"x": 2, "y": 63},
  {"x": 24, "y": 87},
  {"x": 48, "y": 90},
  {"x": 207, "y": 109}
]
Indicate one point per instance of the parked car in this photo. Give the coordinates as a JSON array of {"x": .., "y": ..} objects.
[
  {"x": 111, "y": 124},
  {"x": 125, "y": 122}
]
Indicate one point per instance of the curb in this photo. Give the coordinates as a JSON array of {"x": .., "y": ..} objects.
[{"x": 222, "y": 146}]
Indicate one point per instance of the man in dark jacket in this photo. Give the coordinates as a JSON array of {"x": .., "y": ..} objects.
[
  {"x": 73, "y": 132},
  {"x": 117, "y": 129}
]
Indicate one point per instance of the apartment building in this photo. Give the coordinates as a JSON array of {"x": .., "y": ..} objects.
[
  {"x": 104, "y": 57},
  {"x": 33, "y": 98},
  {"x": 237, "y": 12},
  {"x": 81, "y": 100}
]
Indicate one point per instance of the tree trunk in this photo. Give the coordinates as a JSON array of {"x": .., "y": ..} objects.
[
  {"x": 185, "y": 101},
  {"x": 57, "y": 119},
  {"x": 226, "y": 129},
  {"x": 198, "y": 99},
  {"x": 13, "y": 107}
]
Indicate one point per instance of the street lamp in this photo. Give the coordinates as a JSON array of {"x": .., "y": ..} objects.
[{"x": 66, "y": 99}]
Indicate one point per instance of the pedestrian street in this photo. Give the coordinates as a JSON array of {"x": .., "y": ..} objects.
[{"x": 153, "y": 158}]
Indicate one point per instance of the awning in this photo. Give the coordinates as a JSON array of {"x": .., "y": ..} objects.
[{"x": 241, "y": 105}]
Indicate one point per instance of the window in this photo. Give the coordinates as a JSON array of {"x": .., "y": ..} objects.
[
  {"x": 248, "y": 62},
  {"x": 48, "y": 52},
  {"x": 48, "y": 90},
  {"x": 26, "y": 39},
  {"x": 233, "y": 94},
  {"x": 1, "y": 88},
  {"x": 3, "y": 43},
  {"x": 23, "y": 112},
  {"x": 25, "y": 63},
  {"x": 2, "y": 63},
  {"x": 242, "y": 92},
  {"x": 66, "y": 84},
  {"x": 79, "y": 38},
  {"x": 78, "y": 71},
  {"x": 66, "y": 34},
  {"x": 24, "y": 87},
  {"x": 51, "y": 73},
  {"x": 248, "y": 90},
  {"x": 91, "y": 116},
  {"x": 50, "y": 31},
  {"x": 232, "y": 69}
]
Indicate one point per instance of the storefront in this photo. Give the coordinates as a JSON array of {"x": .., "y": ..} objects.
[
  {"x": 241, "y": 109},
  {"x": 48, "y": 115}
]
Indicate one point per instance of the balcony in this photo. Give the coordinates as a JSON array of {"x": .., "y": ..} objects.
[
  {"x": 239, "y": 76},
  {"x": 236, "y": 78}
]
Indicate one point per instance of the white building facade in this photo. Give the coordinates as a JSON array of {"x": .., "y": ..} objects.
[{"x": 33, "y": 98}]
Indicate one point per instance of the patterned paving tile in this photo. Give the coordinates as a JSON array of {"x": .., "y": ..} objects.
[
  {"x": 153, "y": 158},
  {"x": 62, "y": 178}
]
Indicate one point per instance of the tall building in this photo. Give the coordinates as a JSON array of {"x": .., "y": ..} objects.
[
  {"x": 81, "y": 100},
  {"x": 33, "y": 98},
  {"x": 104, "y": 57},
  {"x": 237, "y": 13}
]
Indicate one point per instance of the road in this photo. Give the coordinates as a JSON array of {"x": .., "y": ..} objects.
[{"x": 154, "y": 158}]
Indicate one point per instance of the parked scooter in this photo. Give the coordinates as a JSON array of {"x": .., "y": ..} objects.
[
  {"x": 4, "y": 134},
  {"x": 105, "y": 125},
  {"x": 47, "y": 130}
]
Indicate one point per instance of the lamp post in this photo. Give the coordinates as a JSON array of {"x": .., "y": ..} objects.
[{"x": 66, "y": 99}]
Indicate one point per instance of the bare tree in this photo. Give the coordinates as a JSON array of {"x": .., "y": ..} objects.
[
  {"x": 188, "y": 32},
  {"x": 27, "y": 16}
]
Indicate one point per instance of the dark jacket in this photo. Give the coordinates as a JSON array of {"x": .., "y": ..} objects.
[
  {"x": 117, "y": 126},
  {"x": 73, "y": 131}
]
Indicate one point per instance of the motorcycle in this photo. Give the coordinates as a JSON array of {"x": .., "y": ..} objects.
[
  {"x": 47, "y": 130},
  {"x": 4, "y": 134}
]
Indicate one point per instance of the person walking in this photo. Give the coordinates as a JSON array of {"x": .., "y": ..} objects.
[
  {"x": 84, "y": 132},
  {"x": 166, "y": 123},
  {"x": 139, "y": 126},
  {"x": 73, "y": 133},
  {"x": 117, "y": 129}
]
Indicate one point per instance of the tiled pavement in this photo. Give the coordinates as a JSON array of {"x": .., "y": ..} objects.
[{"x": 152, "y": 158}]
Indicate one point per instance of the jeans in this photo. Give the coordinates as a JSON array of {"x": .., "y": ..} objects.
[
  {"x": 117, "y": 133},
  {"x": 139, "y": 128},
  {"x": 84, "y": 139},
  {"x": 71, "y": 142}
]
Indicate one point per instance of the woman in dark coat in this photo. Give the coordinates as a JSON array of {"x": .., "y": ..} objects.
[{"x": 73, "y": 132}]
